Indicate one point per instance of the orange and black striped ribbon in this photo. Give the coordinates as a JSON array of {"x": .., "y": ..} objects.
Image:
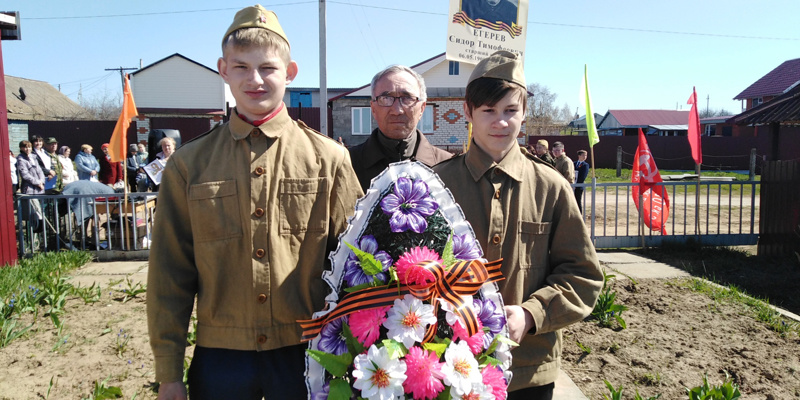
[{"x": 464, "y": 278}]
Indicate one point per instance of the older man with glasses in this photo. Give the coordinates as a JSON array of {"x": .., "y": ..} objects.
[{"x": 398, "y": 102}]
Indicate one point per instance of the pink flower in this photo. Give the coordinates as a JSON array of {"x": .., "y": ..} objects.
[
  {"x": 475, "y": 342},
  {"x": 366, "y": 324},
  {"x": 408, "y": 272},
  {"x": 493, "y": 377},
  {"x": 424, "y": 372}
]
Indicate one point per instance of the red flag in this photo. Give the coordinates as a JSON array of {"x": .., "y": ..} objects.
[
  {"x": 694, "y": 129},
  {"x": 118, "y": 145},
  {"x": 655, "y": 200}
]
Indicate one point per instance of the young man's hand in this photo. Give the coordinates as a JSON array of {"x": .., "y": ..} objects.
[
  {"x": 172, "y": 391},
  {"x": 519, "y": 322}
]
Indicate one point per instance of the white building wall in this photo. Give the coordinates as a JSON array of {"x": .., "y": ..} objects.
[
  {"x": 439, "y": 76},
  {"x": 178, "y": 83}
]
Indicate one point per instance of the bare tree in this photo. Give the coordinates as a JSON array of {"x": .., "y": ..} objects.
[
  {"x": 103, "y": 106},
  {"x": 715, "y": 113},
  {"x": 543, "y": 116}
]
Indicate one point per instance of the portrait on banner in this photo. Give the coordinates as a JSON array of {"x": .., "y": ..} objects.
[{"x": 477, "y": 28}]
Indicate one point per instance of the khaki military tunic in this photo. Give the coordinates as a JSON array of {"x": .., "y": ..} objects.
[
  {"x": 246, "y": 217},
  {"x": 566, "y": 167},
  {"x": 524, "y": 212}
]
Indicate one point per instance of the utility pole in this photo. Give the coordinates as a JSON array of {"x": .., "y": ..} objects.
[
  {"x": 323, "y": 81},
  {"x": 707, "y": 99},
  {"x": 121, "y": 74}
]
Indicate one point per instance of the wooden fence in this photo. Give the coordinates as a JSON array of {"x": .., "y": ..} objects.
[{"x": 780, "y": 209}]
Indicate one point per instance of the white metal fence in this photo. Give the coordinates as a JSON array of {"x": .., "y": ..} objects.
[{"x": 711, "y": 212}]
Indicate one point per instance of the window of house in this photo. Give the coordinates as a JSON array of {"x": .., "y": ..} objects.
[
  {"x": 711, "y": 129},
  {"x": 757, "y": 101},
  {"x": 362, "y": 120},
  {"x": 453, "y": 67},
  {"x": 425, "y": 124}
]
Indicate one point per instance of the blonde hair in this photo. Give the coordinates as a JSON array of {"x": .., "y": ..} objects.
[
  {"x": 168, "y": 139},
  {"x": 85, "y": 147},
  {"x": 246, "y": 38}
]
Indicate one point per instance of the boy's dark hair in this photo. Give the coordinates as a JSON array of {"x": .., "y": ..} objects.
[
  {"x": 582, "y": 152},
  {"x": 23, "y": 144},
  {"x": 488, "y": 91}
]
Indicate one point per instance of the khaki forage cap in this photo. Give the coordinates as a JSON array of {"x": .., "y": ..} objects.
[
  {"x": 501, "y": 64},
  {"x": 256, "y": 17}
]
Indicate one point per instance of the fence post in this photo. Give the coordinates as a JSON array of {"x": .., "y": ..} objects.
[
  {"x": 619, "y": 161},
  {"x": 753, "y": 164}
]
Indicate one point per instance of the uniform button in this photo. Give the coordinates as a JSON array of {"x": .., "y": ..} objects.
[
  {"x": 260, "y": 253},
  {"x": 262, "y": 298},
  {"x": 496, "y": 239},
  {"x": 497, "y": 194},
  {"x": 260, "y": 171},
  {"x": 262, "y": 339},
  {"x": 254, "y": 133},
  {"x": 259, "y": 212}
]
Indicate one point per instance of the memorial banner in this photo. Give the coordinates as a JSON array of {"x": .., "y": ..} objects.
[{"x": 478, "y": 28}]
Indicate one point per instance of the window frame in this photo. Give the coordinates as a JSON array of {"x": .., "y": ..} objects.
[
  {"x": 360, "y": 120},
  {"x": 420, "y": 124}
]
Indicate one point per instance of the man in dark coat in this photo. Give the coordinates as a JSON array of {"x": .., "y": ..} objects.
[{"x": 398, "y": 102}]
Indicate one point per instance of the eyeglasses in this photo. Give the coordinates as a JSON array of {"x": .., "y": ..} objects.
[{"x": 388, "y": 101}]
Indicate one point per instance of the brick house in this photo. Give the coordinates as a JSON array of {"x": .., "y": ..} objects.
[{"x": 775, "y": 83}]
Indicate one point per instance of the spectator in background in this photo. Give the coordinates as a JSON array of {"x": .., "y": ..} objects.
[
  {"x": 167, "y": 145},
  {"x": 543, "y": 154},
  {"x": 68, "y": 173},
  {"x": 582, "y": 170},
  {"x": 51, "y": 145},
  {"x": 45, "y": 164},
  {"x": 87, "y": 165},
  {"x": 142, "y": 154},
  {"x": 30, "y": 173},
  {"x": 136, "y": 173},
  {"x": 111, "y": 173},
  {"x": 14, "y": 178},
  {"x": 564, "y": 164}
]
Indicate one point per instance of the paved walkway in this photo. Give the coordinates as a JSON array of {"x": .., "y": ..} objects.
[{"x": 632, "y": 265}]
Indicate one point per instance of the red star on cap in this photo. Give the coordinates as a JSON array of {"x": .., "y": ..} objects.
[{"x": 263, "y": 19}]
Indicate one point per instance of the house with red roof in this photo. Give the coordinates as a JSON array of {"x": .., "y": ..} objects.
[
  {"x": 777, "y": 82},
  {"x": 652, "y": 122}
]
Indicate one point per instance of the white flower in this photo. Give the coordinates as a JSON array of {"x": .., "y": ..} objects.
[
  {"x": 450, "y": 316},
  {"x": 378, "y": 376},
  {"x": 460, "y": 369},
  {"x": 479, "y": 392},
  {"x": 408, "y": 319}
]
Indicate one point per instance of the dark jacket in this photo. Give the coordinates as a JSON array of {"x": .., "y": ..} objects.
[{"x": 369, "y": 158}]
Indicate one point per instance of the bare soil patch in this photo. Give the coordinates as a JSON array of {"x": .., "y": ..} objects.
[{"x": 674, "y": 337}]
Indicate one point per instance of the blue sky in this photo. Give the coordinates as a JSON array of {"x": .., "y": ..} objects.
[{"x": 641, "y": 55}]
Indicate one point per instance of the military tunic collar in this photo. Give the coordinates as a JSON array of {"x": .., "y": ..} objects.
[
  {"x": 479, "y": 162},
  {"x": 272, "y": 128}
]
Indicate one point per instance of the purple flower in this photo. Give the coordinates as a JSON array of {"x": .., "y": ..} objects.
[
  {"x": 491, "y": 317},
  {"x": 354, "y": 274},
  {"x": 465, "y": 248},
  {"x": 323, "y": 394},
  {"x": 409, "y": 205},
  {"x": 332, "y": 338}
]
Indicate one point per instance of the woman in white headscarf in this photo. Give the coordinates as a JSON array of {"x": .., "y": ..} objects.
[{"x": 69, "y": 174}]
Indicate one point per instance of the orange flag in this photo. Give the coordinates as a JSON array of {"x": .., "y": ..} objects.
[
  {"x": 694, "y": 129},
  {"x": 118, "y": 145}
]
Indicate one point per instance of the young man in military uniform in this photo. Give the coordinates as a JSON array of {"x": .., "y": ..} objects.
[
  {"x": 564, "y": 164},
  {"x": 523, "y": 212},
  {"x": 247, "y": 214},
  {"x": 543, "y": 153},
  {"x": 398, "y": 102}
]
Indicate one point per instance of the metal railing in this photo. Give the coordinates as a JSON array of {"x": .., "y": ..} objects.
[
  {"x": 84, "y": 222},
  {"x": 720, "y": 213},
  {"x": 711, "y": 212}
]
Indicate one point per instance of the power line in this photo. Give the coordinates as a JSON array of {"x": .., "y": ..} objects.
[
  {"x": 612, "y": 28},
  {"x": 163, "y": 12}
]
